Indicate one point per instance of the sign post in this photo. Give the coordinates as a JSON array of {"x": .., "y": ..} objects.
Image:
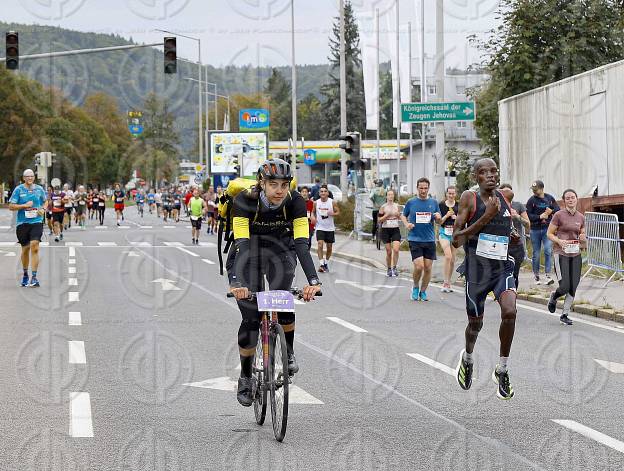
[{"x": 438, "y": 112}]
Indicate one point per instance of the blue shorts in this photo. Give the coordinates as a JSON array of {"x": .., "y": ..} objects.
[
  {"x": 442, "y": 235},
  {"x": 482, "y": 276}
]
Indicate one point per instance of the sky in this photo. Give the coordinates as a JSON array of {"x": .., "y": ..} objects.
[{"x": 256, "y": 32}]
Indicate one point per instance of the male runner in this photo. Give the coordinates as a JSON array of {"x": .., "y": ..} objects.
[
  {"x": 484, "y": 227},
  {"x": 119, "y": 197},
  {"x": 57, "y": 200},
  {"x": 197, "y": 208},
  {"x": 323, "y": 219},
  {"x": 140, "y": 201},
  {"x": 80, "y": 198},
  {"x": 158, "y": 201},
  {"x": 29, "y": 200},
  {"x": 69, "y": 205},
  {"x": 151, "y": 202},
  {"x": 177, "y": 205}
]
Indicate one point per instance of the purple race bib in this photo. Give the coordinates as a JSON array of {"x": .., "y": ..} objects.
[{"x": 276, "y": 301}]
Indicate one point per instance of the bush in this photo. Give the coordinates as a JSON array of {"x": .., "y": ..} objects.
[{"x": 344, "y": 221}]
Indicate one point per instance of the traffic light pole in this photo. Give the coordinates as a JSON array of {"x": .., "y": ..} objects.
[
  {"x": 77, "y": 52},
  {"x": 343, "y": 101}
]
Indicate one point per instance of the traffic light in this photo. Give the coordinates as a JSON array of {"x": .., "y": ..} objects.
[
  {"x": 12, "y": 50},
  {"x": 351, "y": 145},
  {"x": 171, "y": 56}
]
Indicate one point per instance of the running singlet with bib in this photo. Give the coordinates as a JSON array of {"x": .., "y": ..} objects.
[
  {"x": 57, "y": 203},
  {"x": 119, "y": 197},
  {"x": 196, "y": 205},
  {"x": 324, "y": 220}
]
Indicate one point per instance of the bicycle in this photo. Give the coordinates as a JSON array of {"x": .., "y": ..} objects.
[{"x": 270, "y": 368}]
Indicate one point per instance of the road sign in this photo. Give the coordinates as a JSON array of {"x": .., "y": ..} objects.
[
  {"x": 135, "y": 122},
  {"x": 309, "y": 157},
  {"x": 435, "y": 112},
  {"x": 254, "y": 119}
]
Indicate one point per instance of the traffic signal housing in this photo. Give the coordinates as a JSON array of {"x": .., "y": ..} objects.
[
  {"x": 171, "y": 55},
  {"x": 351, "y": 145},
  {"x": 12, "y": 50}
]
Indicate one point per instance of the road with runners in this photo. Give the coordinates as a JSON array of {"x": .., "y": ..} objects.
[{"x": 126, "y": 358}]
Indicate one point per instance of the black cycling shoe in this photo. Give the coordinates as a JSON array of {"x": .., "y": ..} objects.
[
  {"x": 293, "y": 367},
  {"x": 552, "y": 302},
  {"x": 245, "y": 391}
]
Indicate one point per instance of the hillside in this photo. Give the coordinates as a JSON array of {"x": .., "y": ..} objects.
[{"x": 130, "y": 76}]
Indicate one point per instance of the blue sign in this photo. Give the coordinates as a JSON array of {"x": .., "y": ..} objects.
[
  {"x": 309, "y": 157},
  {"x": 254, "y": 119},
  {"x": 135, "y": 129}
]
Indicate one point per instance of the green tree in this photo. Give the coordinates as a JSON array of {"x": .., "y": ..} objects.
[
  {"x": 356, "y": 113},
  {"x": 460, "y": 162},
  {"x": 540, "y": 42},
  {"x": 278, "y": 92},
  {"x": 310, "y": 118}
]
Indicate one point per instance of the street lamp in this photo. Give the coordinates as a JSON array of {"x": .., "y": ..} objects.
[
  {"x": 200, "y": 124},
  {"x": 215, "y": 92}
]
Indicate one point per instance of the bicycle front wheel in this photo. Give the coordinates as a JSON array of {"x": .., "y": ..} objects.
[
  {"x": 259, "y": 373},
  {"x": 278, "y": 381}
]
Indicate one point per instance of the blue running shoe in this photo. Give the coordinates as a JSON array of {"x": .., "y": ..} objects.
[
  {"x": 415, "y": 294},
  {"x": 423, "y": 296},
  {"x": 34, "y": 282},
  {"x": 25, "y": 281}
]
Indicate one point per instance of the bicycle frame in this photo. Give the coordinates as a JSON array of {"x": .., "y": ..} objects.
[{"x": 265, "y": 326}]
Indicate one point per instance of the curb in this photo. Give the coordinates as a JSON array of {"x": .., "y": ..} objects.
[{"x": 355, "y": 258}]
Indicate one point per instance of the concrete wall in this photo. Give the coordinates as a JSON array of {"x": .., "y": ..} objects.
[{"x": 569, "y": 134}]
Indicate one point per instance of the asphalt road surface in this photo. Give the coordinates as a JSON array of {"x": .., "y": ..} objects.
[{"x": 125, "y": 359}]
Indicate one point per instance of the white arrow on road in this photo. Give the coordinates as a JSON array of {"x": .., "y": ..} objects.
[
  {"x": 356, "y": 285},
  {"x": 296, "y": 395},
  {"x": 167, "y": 285},
  {"x": 613, "y": 367}
]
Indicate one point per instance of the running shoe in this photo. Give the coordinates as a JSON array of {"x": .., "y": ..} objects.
[
  {"x": 505, "y": 390},
  {"x": 245, "y": 392},
  {"x": 56, "y": 239},
  {"x": 326, "y": 268},
  {"x": 395, "y": 272},
  {"x": 34, "y": 282},
  {"x": 464, "y": 372},
  {"x": 564, "y": 319},
  {"x": 552, "y": 303},
  {"x": 389, "y": 273},
  {"x": 25, "y": 280},
  {"x": 549, "y": 280},
  {"x": 61, "y": 236},
  {"x": 537, "y": 280},
  {"x": 415, "y": 294},
  {"x": 321, "y": 269},
  {"x": 423, "y": 296}
]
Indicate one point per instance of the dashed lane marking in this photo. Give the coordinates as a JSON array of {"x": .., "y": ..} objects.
[
  {"x": 81, "y": 424},
  {"x": 347, "y": 325},
  {"x": 592, "y": 434},
  {"x": 77, "y": 355},
  {"x": 75, "y": 318}
]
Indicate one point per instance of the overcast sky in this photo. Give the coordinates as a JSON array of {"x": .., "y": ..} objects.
[{"x": 253, "y": 31}]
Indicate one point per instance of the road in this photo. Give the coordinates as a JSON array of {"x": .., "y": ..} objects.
[{"x": 125, "y": 359}]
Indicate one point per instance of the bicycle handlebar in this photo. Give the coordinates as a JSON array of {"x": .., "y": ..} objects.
[{"x": 295, "y": 291}]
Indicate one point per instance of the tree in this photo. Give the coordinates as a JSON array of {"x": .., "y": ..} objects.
[
  {"x": 356, "y": 113},
  {"x": 460, "y": 162},
  {"x": 540, "y": 42},
  {"x": 310, "y": 118},
  {"x": 278, "y": 92}
]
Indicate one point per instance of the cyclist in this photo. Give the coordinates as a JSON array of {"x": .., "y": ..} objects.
[
  {"x": 323, "y": 214},
  {"x": 271, "y": 233},
  {"x": 567, "y": 232},
  {"x": 448, "y": 209},
  {"x": 140, "y": 201},
  {"x": 389, "y": 217},
  {"x": 29, "y": 200},
  {"x": 197, "y": 208},
  {"x": 119, "y": 197},
  {"x": 484, "y": 227}
]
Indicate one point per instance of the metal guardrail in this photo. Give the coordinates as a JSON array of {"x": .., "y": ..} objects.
[{"x": 603, "y": 243}]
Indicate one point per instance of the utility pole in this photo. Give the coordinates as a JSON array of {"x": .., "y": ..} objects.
[
  {"x": 294, "y": 87},
  {"x": 437, "y": 182},
  {"x": 343, "y": 101},
  {"x": 423, "y": 88}
]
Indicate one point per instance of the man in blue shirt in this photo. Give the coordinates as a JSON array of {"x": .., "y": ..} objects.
[
  {"x": 419, "y": 216},
  {"x": 30, "y": 202},
  {"x": 540, "y": 208}
]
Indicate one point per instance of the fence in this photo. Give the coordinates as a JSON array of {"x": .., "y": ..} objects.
[{"x": 603, "y": 243}]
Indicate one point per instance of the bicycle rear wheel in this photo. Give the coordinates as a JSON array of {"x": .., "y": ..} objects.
[
  {"x": 278, "y": 381},
  {"x": 259, "y": 373}
]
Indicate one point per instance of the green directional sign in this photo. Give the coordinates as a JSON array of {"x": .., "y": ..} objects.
[{"x": 435, "y": 112}]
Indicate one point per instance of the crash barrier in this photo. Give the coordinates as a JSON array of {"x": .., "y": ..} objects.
[{"x": 603, "y": 243}]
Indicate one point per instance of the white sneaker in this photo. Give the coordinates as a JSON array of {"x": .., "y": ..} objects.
[
  {"x": 537, "y": 280},
  {"x": 549, "y": 280}
]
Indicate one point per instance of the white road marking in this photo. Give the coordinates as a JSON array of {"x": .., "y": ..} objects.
[
  {"x": 73, "y": 244},
  {"x": 107, "y": 244},
  {"x": 77, "y": 353},
  {"x": 356, "y": 285},
  {"x": 182, "y": 249},
  {"x": 174, "y": 244},
  {"x": 72, "y": 261},
  {"x": 169, "y": 227},
  {"x": 7, "y": 244},
  {"x": 44, "y": 244},
  {"x": 428, "y": 361},
  {"x": 189, "y": 227},
  {"x": 132, "y": 253},
  {"x": 101, "y": 227},
  {"x": 592, "y": 434},
  {"x": 72, "y": 251},
  {"x": 209, "y": 262},
  {"x": 10, "y": 254},
  {"x": 296, "y": 394},
  {"x": 75, "y": 318},
  {"x": 346, "y": 324},
  {"x": 141, "y": 244},
  {"x": 73, "y": 296},
  {"x": 80, "y": 424},
  {"x": 613, "y": 367},
  {"x": 124, "y": 227},
  {"x": 71, "y": 270},
  {"x": 5, "y": 227},
  {"x": 575, "y": 319},
  {"x": 148, "y": 227},
  {"x": 72, "y": 282},
  {"x": 167, "y": 285},
  {"x": 207, "y": 244}
]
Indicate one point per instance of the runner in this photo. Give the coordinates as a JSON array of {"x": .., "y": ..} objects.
[
  {"x": 56, "y": 201},
  {"x": 140, "y": 202},
  {"x": 101, "y": 206},
  {"x": 151, "y": 202},
  {"x": 158, "y": 202},
  {"x": 323, "y": 219},
  {"x": 49, "y": 220},
  {"x": 449, "y": 209},
  {"x": 69, "y": 206},
  {"x": 418, "y": 217},
  {"x": 119, "y": 197},
  {"x": 197, "y": 210},
  {"x": 29, "y": 200},
  {"x": 91, "y": 209},
  {"x": 187, "y": 198},
  {"x": 80, "y": 199},
  {"x": 271, "y": 233},
  {"x": 305, "y": 193},
  {"x": 484, "y": 227},
  {"x": 166, "y": 204},
  {"x": 210, "y": 197},
  {"x": 521, "y": 222},
  {"x": 378, "y": 197},
  {"x": 177, "y": 205},
  {"x": 389, "y": 217},
  {"x": 567, "y": 232}
]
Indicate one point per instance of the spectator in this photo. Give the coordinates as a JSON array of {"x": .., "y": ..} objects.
[
  {"x": 378, "y": 197},
  {"x": 314, "y": 191},
  {"x": 540, "y": 208}
]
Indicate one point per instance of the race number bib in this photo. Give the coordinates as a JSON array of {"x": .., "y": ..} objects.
[
  {"x": 68, "y": 205},
  {"x": 572, "y": 247},
  {"x": 95, "y": 200},
  {"x": 194, "y": 218},
  {"x": 82, "y": 202},
  {"x": 102, "y": 204},
  {"x": 391, "y": 223},
  {"x": 31, "y": 213},
  {"x": 448, "y": 230},
  {"x": 57, "y": 203},
  {"x": 423, "y": 218},
  {"x": 492, "y": 246},
  {"x": 323, "y": 212},
  {"x": 119, "y": 200}
]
